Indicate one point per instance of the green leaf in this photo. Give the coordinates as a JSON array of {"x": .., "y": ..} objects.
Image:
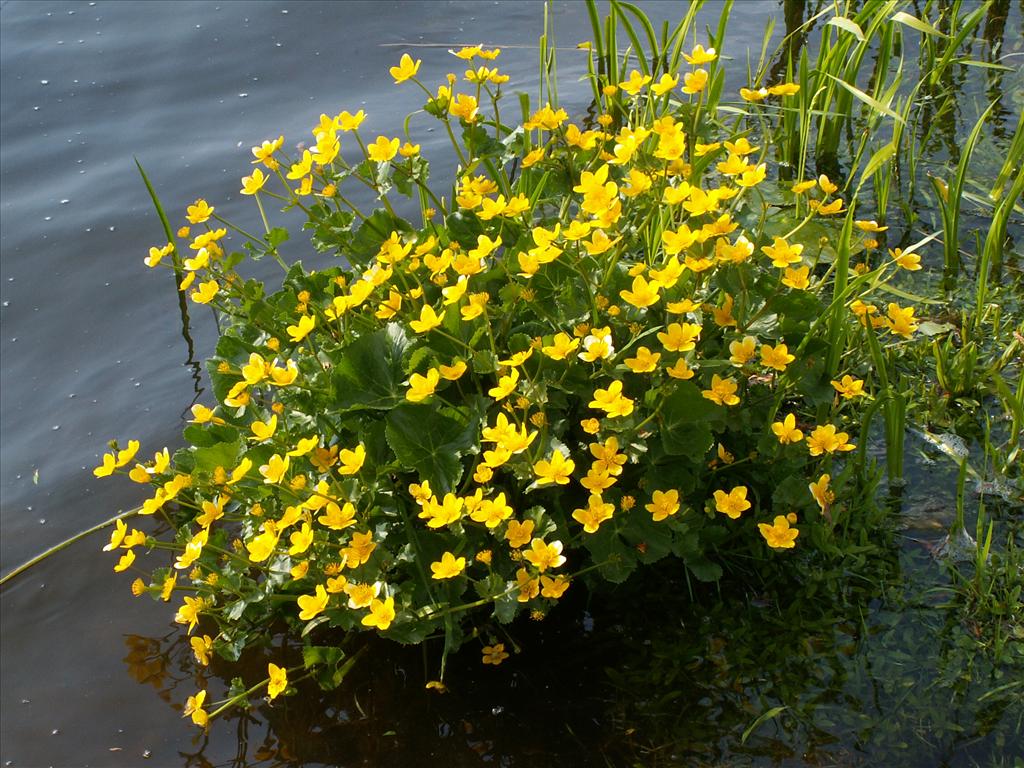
[
  {"x": 652, "y": 541},
  {"x": 685, "y": 430},
  {"x": 848, "y": 25},
  {"x": 217, "y": 455},
  {"x": 374, "y": 230},
  {"x": 875, "y": 104},
  {"x": 430, "y": 442},
  {"x": 615, "y": 559},
  {"x": 276, "y": 236},
  {"x": 915, "y": 23},
  {"x": 704, "y": 569},
  {"x": 371, "y": 372}
]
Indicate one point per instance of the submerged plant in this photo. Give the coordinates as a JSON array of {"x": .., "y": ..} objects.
[{"x": 611, "y": 342}]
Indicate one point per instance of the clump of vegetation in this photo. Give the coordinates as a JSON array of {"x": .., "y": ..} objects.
[{"x": 611, "y": 341}]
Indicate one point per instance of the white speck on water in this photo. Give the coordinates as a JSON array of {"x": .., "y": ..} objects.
[
  {"x": 44, "y": 82},
  {"x": 47, "y": 218},
  {"x": 111, "y": 228},
  {"x": 285, "y": 11},
  {"x": 42, "y": 521},
  {"x": 55, "y": 731},
  {"x": 56, "y": 427},
  {"x": 7, "y": 304},
  {"x": 243, "y": 95},
  {"x": 65, "y": 201},
  {"x": 35, "y": 109}
]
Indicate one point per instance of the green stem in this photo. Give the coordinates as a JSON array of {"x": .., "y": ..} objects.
[{"x": 67, "y": 543}]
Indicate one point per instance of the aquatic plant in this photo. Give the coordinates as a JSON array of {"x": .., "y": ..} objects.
[{"x": 613, "y": 341}]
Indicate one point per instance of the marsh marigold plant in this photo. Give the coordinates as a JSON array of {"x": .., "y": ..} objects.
[{"x": 607, "y": 342}]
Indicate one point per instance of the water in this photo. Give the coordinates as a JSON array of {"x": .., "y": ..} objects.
[{"x": 93, "y": 349}]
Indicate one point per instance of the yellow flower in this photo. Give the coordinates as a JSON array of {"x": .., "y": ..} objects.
[
  {"x": 680, "y": 370},
  {"x": 742, "y": 352},
  {"x": 797, "y": 278},
  {"x": 557, "y": 470},
  {"x": 612, "y": 401},
  {"x": 784, "y": 89},
  {"x": 901, "y": 320},
  {"x": 464, "y": 107},
  {"x": 264, "y": 431},
  {"x": 156, "y": 255},
  {"x": 253, "y": 184},
  {"x": 301, "y": 540},
  {"x": 207, "y": 290},
  {"x": 298, "y": 332},
  {"x": 782, "y": 253},
  {"x": 758, "y": 94},
  {"x": 201, "y": 648},
  {"x": 776, "y": 357},
  {"x": 597, "y": 345},
  {"x": 553, "y": 587},
  {"x": 506, "y": 385},
  {"x": 275, "y": 468},
  {"x": 665, "y": 84},
  {"x": 194, "y": 708},
  {"x": 663, "y": 504},
  {"x": 779, "y": 535},
  {"x": 494, "y": 654},
  {"x": 125, "y": 562},
  {"x": 532, "y": 158},
  {"x": 821, "y": 493},
  {"x": 518, "y": 533},
  {"x": 677, "y": 241},
  {"x": 753, "y": 176},
  {"x": 383, "y": 149},
  {"x": 189, "y": 612},
  {"x": 278, "y": 680},
  {"x": 908, "y": 261},
  {"x": 786, "y": 430},
  {"x": 595, "y": 513},
  {"x": 825, "y": 439},
  {"x": 313, "y": 605},
  {"x": 543, "y": 556},
  {"x": 561, "y": 347},
  {"x": 406, "y": 69},
  {"x": 382, "y": 613},
  {"x": 428, "y": 320},
  {"x": 199, "y": 212},
  {"x": 644, "y": 294},
  {"x": 849, "y": 387},
  {"x": 421, "y": 387},
  {"x": 352, "y": 461},
  {"x": 644, "y": 362},
  {"x": 733, "y": 503},
  {"x": 700, "y": 56},
  {"x": 635, "y": 83},
  {"x": 722, "y": 392},
  {"x": 448, "y": 567},
  {"x": 694, "y": 82},
  {"x": 680, "y": 337}
]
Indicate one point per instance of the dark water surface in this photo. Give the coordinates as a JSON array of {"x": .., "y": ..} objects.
[{"x": 92, "y": 348}]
